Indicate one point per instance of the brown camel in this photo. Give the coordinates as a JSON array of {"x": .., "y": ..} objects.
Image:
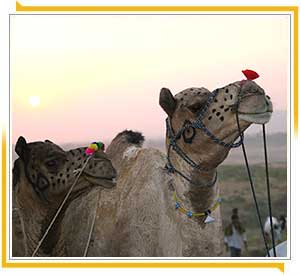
[
  {"x": 42, "y": 175},
  {"x": 148, "y": 223}
]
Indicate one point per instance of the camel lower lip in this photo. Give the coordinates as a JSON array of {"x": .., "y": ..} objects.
[
  {"x": 258, "y": 118},
  {"x": 108, "y": 183},
  {"x": 105, "y": 182}
]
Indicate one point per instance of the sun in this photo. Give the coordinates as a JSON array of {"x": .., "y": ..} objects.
[{"x": 34, "y": 100}]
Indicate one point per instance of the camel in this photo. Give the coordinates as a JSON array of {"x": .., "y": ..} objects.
[
  {"x": 164, "y": 205},
  {"x": 150, "y": 218},
  {"x": 42, "y": 175}
]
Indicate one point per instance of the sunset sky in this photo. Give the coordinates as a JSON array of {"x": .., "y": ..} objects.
[{"x": 87, "y": 77}]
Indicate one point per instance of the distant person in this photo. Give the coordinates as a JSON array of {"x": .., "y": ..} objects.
[{"x": 235, "y": 237}]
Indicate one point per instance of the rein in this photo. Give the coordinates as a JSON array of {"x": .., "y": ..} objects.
[
  {"x": 268, "y": 189},
  {"x": 198, "y": 124},
  {"x": 92, "y": 226},
  {"x": 254, "y": 194}
]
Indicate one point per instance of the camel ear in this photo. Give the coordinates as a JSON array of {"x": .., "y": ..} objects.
[
  {"x": 167, "y": 101},
  {"x": 21, "y": 148}
]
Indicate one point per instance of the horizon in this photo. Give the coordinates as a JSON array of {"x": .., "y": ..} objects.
[
  {"x": 276, "y": 147},
  {"x": 253, "y": 135}
]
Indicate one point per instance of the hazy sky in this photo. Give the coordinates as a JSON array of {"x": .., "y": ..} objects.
[{"x": 97, "y": 75}]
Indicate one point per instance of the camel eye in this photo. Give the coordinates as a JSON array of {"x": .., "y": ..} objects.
[
  {"x": 52, "y": 163},
  {"x": 188, "y": 133}
]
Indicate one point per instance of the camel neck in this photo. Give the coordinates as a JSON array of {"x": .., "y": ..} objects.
[
  {"x": 197, "y": 197},
  {"x": 34, "y": 218},
  {"x": 32, "y": 227}
]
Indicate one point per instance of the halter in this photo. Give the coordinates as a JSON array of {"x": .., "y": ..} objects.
[{"x": 197, "y": 124}]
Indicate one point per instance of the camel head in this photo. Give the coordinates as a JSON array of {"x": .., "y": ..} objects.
[
  {"x": 46, "y": 170},
  {"x": 244, "y": 97}
]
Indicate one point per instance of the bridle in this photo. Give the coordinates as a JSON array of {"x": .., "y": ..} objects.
[{"x": 198, "y": 124}]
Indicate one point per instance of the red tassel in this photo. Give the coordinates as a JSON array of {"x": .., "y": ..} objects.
[{"x": 250, "y": 75}]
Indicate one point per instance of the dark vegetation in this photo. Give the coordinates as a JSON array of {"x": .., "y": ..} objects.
[{"x": 236, "y": 192}]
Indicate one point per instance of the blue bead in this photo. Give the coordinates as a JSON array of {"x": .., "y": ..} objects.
[
  {"x": 190, "y": 214},
  {"x": 177, "y": 205}
]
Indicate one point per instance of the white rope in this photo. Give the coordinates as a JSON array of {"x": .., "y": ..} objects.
[
  {"x": 92, "y": 226},
  {"x": 60, "y": 208}
]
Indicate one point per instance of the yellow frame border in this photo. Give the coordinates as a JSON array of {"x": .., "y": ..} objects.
[{"x": 21, "y": 8}]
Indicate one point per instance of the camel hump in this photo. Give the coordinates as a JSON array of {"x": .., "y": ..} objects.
[
  {"x": 121, "y": 143},
  {"x": 132, "y": 137}
]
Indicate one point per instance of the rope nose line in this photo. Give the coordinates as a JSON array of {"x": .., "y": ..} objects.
[
  {"x": 60, "y": 207},
  {"x": 252, "y": 188},
  {"x": 268, "y": 189}
]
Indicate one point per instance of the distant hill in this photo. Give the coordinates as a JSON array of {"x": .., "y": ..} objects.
[{"x": 277, "y": 148}]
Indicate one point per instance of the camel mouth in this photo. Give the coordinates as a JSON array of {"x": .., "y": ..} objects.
[
  {"x": 106, "y": 182},
  {"x": 256, "y": 118}
]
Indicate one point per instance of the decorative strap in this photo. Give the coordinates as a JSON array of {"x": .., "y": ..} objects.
[{"x": 190, "y": 214}]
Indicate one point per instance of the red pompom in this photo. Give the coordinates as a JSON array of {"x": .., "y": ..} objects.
[{"x": 250, "y": 75}]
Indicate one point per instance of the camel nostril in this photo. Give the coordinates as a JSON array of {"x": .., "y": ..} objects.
[{"x": 42, "y": 183}]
